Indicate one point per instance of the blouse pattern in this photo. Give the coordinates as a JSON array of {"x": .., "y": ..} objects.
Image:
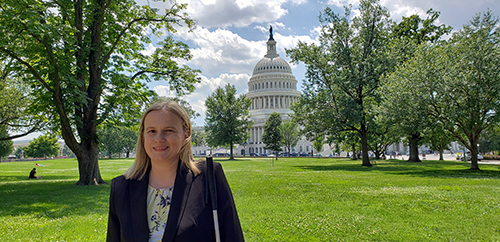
[{"x": 158, "y": 207}]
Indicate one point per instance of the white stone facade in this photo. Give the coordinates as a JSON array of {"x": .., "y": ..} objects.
[{"x": 272, "y": 88}]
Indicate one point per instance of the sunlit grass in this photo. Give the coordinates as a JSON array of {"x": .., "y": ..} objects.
[{"x": 297, "y": 199}]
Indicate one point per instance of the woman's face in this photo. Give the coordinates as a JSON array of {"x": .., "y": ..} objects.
[{"x": 163, "y": 136}]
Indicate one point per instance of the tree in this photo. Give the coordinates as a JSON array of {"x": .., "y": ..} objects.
[
  {"x": 67, "y": 152},
  {"x": 343, "y": 71},
  {"x": 272, "y": 135},
  {"x": 85, "y": 60},
  {"x": 438, "y": 139},
  {"x": 129, "y": 137},
  {"x": 291, "y": 136},
  {"x": 198, "y": 138},
  {"x": 43, "y": 146},
  {"x": 110, "y": 140},
  {"x": 6, "y": 146},
  {"x": 116, "y": 139},
  {"x": 382, "y": 134},
  {"x": 490, "y": 140},
  {"x": 403, "y": 107},
  {"x": 459, "y": 82},
  {"x": 14, "y": 104},
  {"x": 467, "y": 100},
  {"x": 19, "y": 152},
  {"x": 318, "y": 144},
  {"x": 227, "y": 118}
]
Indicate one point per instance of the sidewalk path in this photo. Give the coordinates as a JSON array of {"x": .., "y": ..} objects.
[{"x": 450, "y": 157}]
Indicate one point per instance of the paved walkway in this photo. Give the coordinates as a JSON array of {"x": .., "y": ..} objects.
[{"x": 450, "y": 157}]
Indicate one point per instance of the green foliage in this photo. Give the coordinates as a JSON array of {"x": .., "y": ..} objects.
[
  {"x": 6, "y": 146},
  {"x": 86, "y": 63},
  {"x": 67, "y": 152},
  {"x": 20, "y": 152},
  {"x": 198, "y": 138},
  {"x": 438, "y": 139},
  {"x": 290, "y": 131},
  {"x": 490, "y": 140},
  {"x": 403, "y": 108},
  {"x": 227, "y": 118},
  {"x": 272, "y": 135},
  {"x": 300, "y": 199},
  {"x": 457, "y": 83},
  {"x": 43, "y": 146},
  {"x": 343, "y": 72},
  {"x": 318, "y": 143},
  {"x": 14, "y": 106},
  {"x": 117, "y": 139},
  {"x": 419, "y": 30}
]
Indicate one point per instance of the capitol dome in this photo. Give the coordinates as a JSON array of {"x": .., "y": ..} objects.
[
  {"x": 275, "y": 64},
  {"x": 272, "y": 88}
]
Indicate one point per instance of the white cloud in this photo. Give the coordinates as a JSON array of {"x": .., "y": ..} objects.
[
  {"x": 149, "y": 50},
  {"x": 242, "y": 13},
  {"x": 342, "y": 3},
  {"x": 222, "y": 51},
  {"x": 205, "y": 88}
]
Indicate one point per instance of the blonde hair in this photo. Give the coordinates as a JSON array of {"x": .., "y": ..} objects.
[{"x": 143, "y": 162}]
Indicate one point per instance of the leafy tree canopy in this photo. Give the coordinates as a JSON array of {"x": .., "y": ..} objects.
[
  {"x": 6, "y": 146},
  {"x": 290, "y": 131},
  {"x": 86, "y": 62},
  {"x": 14, "y": 105},
  {"x": 43, "y": 146},
  {"x": 272, "y": 135},
  {"x": 343, "y": 71},
  {"x": 227, "y": 119}
]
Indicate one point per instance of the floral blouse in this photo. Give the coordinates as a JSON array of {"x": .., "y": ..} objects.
[{"x": 158, "y": 206}]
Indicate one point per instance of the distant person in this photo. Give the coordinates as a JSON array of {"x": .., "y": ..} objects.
[
  {"x": 38, "y": 164},
  {"x": 163, "y": 196},
  {"x": 33, "y": 174}
]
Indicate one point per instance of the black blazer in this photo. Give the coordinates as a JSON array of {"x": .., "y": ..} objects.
[{"x": 190, "y": 217}]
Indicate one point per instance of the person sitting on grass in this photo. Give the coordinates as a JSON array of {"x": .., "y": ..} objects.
[{"x": 33, "y": 174}]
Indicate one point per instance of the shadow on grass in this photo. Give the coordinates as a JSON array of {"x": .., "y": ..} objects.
[
  {"x": 424, "y": 169},
  {"x": 52, "y": 199},
  {"x": 44, "y": 178}
]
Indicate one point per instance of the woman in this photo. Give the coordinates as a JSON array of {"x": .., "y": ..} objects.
[{"x": 163, "y": 196}]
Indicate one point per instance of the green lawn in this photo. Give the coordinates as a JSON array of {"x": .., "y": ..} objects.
[{"x": 299, "y": 199}]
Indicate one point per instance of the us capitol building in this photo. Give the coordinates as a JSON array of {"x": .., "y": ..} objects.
[{"x": 272, "y": 88}]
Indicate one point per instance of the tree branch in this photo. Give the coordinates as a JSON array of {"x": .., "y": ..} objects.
[{"x": 30, "y": 68}]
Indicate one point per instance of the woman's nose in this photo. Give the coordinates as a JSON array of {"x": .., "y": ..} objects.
[{"x": 160, "y": 137}]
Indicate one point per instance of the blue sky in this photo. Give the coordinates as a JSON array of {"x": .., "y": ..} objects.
[{"x": 231, "y": 35}]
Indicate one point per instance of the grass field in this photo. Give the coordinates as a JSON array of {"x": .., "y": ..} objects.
[{"x": 299, "y": 199}]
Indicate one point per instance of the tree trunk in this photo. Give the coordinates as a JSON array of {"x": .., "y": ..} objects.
[
  {"x": 231, "y": 156},
  {"x": 354, "y": 154},
  {"x": 364, "y": 146},
  {"x": 473, "y": 158},
  {"x": 88, "y": 166},
  {"x": 414, "y": 140},
  {"x": 441, "y": 154}
]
